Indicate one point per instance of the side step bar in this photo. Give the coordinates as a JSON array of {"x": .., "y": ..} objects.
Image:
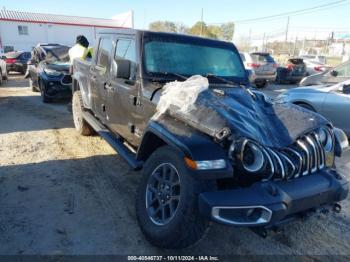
[{"x": 114, "y": 141}]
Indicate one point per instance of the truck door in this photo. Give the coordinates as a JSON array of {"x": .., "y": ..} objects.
[
  {"x": 99, "y": 75},
  {"x": 123, "y": 93}
]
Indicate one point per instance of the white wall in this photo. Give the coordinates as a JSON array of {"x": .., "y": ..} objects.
[{"x": 43, "y": 33}]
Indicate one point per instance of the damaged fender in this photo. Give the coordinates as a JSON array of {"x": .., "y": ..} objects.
[{"x": 190, "y": 142}]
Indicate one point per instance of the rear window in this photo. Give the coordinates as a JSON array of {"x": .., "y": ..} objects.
[
  {"x": 295, "y": 61},
  {"x": 13, "y": 54},
  {"x": 26, "y": 55},
  {"x": 262, "y": 58}
]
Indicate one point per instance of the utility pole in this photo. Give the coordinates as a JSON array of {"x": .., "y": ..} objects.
[
  {"x": 287, "y": 29},
  {"x": 295, "y": 45},
  {"x": 286, "y": 37},
  {"x": 263, "y": 45},
  {"x": 250, "y": 36},
  {"x": 202, "y": 23}
]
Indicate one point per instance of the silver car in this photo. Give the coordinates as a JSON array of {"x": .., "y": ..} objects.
[
  {"x": 331, "y": 101},
  {"x": 263, "y": 65},
  {"x": 339, "y": 74}
]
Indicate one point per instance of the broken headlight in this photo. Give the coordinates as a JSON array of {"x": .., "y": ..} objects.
[
  {"x": 51, "y": 72},
  {"x": 326, "y": 139},
  {"x": 252, "y": 157}
]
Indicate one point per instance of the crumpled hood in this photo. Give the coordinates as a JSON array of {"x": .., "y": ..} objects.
[{"x": 250, "y": 116}]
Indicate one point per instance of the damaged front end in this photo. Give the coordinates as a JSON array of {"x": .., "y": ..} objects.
[{"x": 282, "y": 156}]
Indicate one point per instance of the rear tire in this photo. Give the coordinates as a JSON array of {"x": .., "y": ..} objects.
[
  {"x": 185, "y": 226},
  {"x": 5, "y": 77},
  {"x": 80, "y": 124}
]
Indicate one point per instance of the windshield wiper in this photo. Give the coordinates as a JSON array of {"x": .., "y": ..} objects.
[
  {"x": 170, "y": 74},
  {"x": 223, "y": 80}
]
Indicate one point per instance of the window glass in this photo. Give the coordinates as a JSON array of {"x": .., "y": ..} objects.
[
  {"x": 23, "y": 30},
  {"x": 191, "y": 59},
  {"x": 262, "y": 58},
  {"x": 344, "y": 70},
  {"x": 104, "y": 52},
  {"x": 125, "y": 50},
  {"x": 8, "y": 48}
]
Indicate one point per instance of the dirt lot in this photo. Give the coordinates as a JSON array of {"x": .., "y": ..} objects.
[{"x": 65, "y": 194}]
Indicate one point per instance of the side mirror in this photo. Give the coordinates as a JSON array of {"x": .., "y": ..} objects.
[
  {"x": 123, "y": 68},
  {"x": 3, "y": 57},
  {"x": 334, "y": 73},
  {"x": 346, "y": 89}
]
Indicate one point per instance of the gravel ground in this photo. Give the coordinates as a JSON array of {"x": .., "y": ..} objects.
[{"x": 61, "y": 193}]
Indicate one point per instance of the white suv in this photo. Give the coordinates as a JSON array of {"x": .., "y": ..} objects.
[
  {"x": 3, "y": 71},
  {"x": 263, "y": 66}
]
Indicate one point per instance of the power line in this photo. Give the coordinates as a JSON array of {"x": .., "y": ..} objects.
[{"x": 293, "y": 13}]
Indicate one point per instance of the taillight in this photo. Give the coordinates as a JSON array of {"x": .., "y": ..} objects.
[
  {"x": 318, "y": 68},
  {"x": 290, "y": 66},
  {"x": 10, "y": 60},
  {"x": 253, "y": 65}
]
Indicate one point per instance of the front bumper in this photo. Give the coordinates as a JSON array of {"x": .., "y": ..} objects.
[
  {"x": 268, "y": 203},
  {"x": 294, "y": 78},
  {"x": 56, "y": 87}
]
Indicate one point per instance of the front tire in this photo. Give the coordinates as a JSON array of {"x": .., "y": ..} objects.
[
  {"x": 80, "y": 124},
  {"x": 167, "y": 201},
  {"x": 44, "y": 97}
]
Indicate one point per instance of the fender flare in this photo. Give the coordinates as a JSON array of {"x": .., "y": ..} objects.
[
  {"x": 77, "y": 84},
  {"x": 195, "y": 145}
]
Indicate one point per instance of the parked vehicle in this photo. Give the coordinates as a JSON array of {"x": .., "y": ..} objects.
[
  {"x": 293, "y": 72},
  {"x": 222, "y": 152},
  {"x": 263, "y": 65},
  {"x": 331, "y": 101},
  {"x": 315, "y": 58},
  {"x": 48, "y": 72},
  {"x": 3, "y": 71},
  {"x": 338, "y": 74},
  {"x": 17, "y": 61},
  {"x": 313, "y": 67}
]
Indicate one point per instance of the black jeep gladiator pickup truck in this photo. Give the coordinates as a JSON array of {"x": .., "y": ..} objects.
[{"x": 233, "y": 157}]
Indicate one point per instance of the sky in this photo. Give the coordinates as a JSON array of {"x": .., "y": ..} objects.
[{"x": 311, "y": 25}]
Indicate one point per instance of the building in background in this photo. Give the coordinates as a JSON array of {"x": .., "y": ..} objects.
[{"x": 22, "y": 30}]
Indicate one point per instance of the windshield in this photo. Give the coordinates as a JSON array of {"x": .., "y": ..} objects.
[
  {"x": 187, "y": 58},
  {"x": 56, "y": 53}
]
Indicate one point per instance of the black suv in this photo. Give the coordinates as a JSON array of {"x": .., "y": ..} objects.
[
  {"x": 48, "y": 72},
  {"x": 210, "y": 148}
]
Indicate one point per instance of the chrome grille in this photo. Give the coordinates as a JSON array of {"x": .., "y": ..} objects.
[{"x": 306, "y": 156}]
